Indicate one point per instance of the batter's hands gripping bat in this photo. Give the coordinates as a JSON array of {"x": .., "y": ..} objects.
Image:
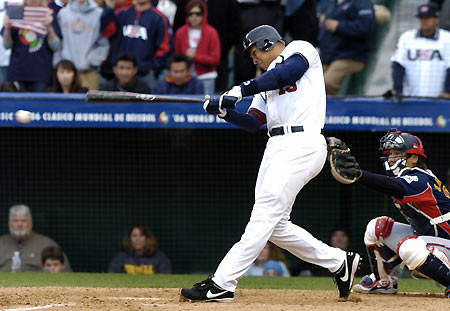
[
  {"x": 344, "y": 167},
  {"x": 107, "y": 96}
]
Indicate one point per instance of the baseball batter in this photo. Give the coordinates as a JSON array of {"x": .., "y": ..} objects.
[
  {"x": 424, "y": 243},
  {"x": 421, "y": 62},
  {"x": 290, "y": 99}
]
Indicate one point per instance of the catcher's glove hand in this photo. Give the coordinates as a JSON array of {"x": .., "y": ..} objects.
[{"x": 344, "y": 167}]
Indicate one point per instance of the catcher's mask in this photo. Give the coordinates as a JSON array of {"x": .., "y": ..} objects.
[
  {"x": 264, "y": 37},
  {"x": 406, "y": 143}
]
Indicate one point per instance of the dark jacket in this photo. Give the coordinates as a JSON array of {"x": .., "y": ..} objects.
[
  {"x": 137, "y": 85},
  {"x": 353, "y": 36},
  {"x": 144, "y": 34},
  {"x": 192, "y": 86},
  {"x": 124, "y": 262}
]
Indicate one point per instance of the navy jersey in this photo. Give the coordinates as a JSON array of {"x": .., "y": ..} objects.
[
  {"x": 426, "y": 198},
  {"x": 142, "y": 33}
]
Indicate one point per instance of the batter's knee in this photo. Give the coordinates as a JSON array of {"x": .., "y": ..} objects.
[
  {"x": 413, "y": 251},
  {"x": 377, "y": 229}
]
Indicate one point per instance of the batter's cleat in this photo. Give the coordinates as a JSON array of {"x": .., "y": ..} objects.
[
  {"x": 447, "y": 292},
  {"x": 345, "y": 275},
  {"x": 207, "y": 291},
  {"x": 370, "y": 285}
]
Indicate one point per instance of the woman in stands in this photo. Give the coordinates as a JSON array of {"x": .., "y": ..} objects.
[
  {"x": 140, "y": 254},
  {"x": 65, "y": 78}
]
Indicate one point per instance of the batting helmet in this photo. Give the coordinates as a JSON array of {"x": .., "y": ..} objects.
[
  {"x": 398, "y": 140},
  {"x": 263, "y": 36}
]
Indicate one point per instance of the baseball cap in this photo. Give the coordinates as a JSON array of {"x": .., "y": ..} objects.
[
  {"x": 428, "y": 10},
  {"x": 273, "y": 265}
]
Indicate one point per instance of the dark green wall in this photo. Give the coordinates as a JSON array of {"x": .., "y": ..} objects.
[{"x": 193, "y": 188}]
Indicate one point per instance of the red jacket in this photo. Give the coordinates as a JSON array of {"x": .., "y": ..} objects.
[{"x": 207, "y": 55}]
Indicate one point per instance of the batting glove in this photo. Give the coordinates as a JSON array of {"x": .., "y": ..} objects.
[
  {"x": 230, "y": 98},
  {"x": 211, "y": 106}
]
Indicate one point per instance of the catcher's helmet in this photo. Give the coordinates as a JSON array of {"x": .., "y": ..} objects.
[
  {"x": 398, "y": 140},
  {"x": 263, "y": 36}
]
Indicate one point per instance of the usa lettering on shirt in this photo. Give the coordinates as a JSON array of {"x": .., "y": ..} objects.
[{"x": 135, "y": 32}]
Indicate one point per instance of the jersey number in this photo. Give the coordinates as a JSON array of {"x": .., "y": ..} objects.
[{"x": 288, "y": 89}]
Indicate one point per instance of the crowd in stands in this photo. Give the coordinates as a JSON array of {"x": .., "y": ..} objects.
[
  {"x": 24, "y": 250},
  {"x": 125, "y": 45},
  {"x": 139, "y": 252}
]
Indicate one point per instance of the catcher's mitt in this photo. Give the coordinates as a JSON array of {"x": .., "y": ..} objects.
[{"x": 344, "y": 167}]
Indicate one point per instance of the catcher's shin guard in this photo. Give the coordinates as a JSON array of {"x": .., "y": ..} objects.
[
  {"x": 382, "y": 261},
  {"x": 437, "y": 270}
]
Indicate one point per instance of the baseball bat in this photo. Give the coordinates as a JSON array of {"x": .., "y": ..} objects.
[
  {"x": 129, "y": 96},
  {"x": 109, "y": 96}
]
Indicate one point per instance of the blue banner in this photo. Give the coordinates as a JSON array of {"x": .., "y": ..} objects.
[{"x": 362, "y": 114}]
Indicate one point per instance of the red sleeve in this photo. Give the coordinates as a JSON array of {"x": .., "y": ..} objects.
[
  {"x": 259, "y": 115},
  {"x": 164, "y": 48},
  {"x": 211, "y": 54}
]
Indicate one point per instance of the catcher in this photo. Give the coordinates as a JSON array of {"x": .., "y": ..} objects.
[{"x": 423, "y": 244}]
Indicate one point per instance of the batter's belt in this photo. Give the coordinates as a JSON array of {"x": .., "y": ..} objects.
[{"x": 280, "y": 130}]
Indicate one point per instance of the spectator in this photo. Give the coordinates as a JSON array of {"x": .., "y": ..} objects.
[
  {"x": 22, "y": 238},
  {"x": 82, "y": 43},
  {"x": 421, "y": 62},
  {"x": 301, "y": 20},
  {"x": 140, "y": 254},
  {"x": 52, "y": 259},
  {"x": 4, "y": 53},
  {"x": 126, "y": 80},
  {"x": 169, "y": 9},
  {"x": 31, "y": 51},
  {"x": 254, "y": 13},
  {"x": 65, "y": 78},
  {"x": 344, "y": 40},
  {"x": 270, "y": 262},
  {"x": 200, "y": 42},
  {"x": 179, "y": 80},
  {"x": 142, "y": 31},
  {"x": 56, "y": 6},
  {"x": 340, "y": 238},
  {"x": 223, "y": 15}
]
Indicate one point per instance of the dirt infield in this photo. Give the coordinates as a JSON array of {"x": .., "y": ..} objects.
[{"x": 114, "y": 299}]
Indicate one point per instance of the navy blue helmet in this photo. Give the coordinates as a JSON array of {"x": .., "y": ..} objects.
[{"x": 264, "y": 37}]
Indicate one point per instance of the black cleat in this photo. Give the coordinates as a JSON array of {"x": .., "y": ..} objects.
[
  {"x": 207, "y": 291},
  {"x": 345, "y": 275}
]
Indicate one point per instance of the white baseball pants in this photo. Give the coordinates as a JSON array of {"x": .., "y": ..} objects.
[{"x": 289, "y": 162}]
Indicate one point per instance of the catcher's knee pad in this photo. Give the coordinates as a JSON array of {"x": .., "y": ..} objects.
[
  {"x": 377, "y": 229},
  {"x": 413, "y": 251}
]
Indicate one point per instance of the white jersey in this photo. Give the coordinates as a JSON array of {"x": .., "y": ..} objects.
[
  {"x": 301, "y": 104},
  {"x": 425, "y": 61}
]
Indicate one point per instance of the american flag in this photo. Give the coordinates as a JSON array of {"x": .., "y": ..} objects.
[{"x": 28, "y": 17}]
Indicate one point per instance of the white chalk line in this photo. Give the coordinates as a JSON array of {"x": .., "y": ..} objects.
[
  {"x": 138, "y": 298},
  {"x": 41, "y": 307}
]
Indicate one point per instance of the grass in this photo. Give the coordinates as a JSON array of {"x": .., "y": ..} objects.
[{"x": 26, "y": 279}]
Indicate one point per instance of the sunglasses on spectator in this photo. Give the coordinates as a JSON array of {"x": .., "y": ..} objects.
[{"x": 195, "y": 13}]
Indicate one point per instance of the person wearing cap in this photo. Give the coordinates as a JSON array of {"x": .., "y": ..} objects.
[
  {"x": 421, "y": 62},
  {"x": 344, "y": 39}
]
